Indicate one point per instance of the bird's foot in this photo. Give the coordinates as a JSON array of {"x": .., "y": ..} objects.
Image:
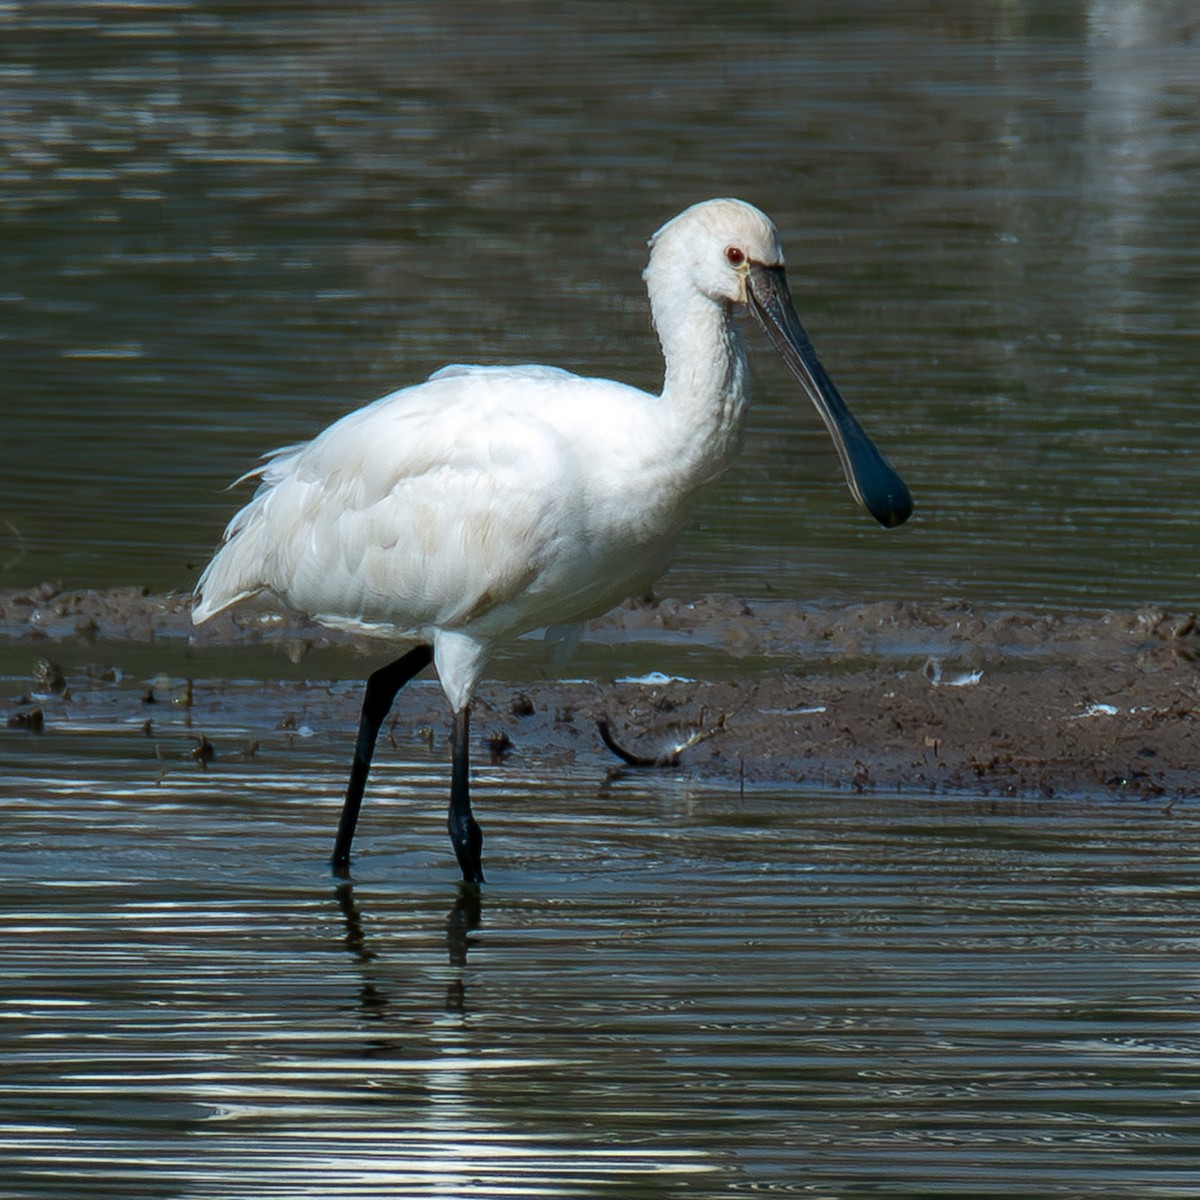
[{"x": 467, "y": 839}]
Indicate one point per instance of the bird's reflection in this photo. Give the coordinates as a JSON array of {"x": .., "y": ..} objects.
[
  {"x": 462, "y": 921},
  {"x": 372, "y": 1000}
]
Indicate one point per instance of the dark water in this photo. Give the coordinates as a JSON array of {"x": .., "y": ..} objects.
[
  {"x": 223, "y": 225},
  {"x": 666, "y": 990}
]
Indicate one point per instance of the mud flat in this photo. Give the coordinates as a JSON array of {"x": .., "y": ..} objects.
[{"x": 936, "y": 699}]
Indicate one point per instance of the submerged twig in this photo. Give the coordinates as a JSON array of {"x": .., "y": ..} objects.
[{"x": 668, "y": 758}]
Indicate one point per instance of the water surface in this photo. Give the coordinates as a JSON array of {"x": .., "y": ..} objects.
[
  {"x": 224, "y": 226},
  {"x": 666, "y": 989}
]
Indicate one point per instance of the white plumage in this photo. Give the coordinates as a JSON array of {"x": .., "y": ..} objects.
[
  {"x": 489, "y": 501},
  {"x": 485, "y": 502}
]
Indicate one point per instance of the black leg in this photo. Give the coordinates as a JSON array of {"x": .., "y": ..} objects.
[
  {"x": 465, "y": 835},
  {"x": 382, "y": 687}
]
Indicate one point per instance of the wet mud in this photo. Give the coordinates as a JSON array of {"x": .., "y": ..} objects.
[{"x": 901, "y": 698}]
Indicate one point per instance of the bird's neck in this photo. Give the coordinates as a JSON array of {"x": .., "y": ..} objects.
[{"x": 705, "y": 384}]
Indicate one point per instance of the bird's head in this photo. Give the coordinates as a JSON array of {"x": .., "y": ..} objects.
[
  {"x": 729, "y": 251},
  {"x": 717, "y": 244}
]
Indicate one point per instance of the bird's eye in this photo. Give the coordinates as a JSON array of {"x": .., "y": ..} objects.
[{"x": 735, "y": 256}]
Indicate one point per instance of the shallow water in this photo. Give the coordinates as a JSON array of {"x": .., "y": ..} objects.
[
  {"x": 666, "y": 989},
  {"x": 224, "y": 226}
]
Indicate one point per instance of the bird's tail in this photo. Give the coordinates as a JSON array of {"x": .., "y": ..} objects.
[{"x": 235, "y": 572}]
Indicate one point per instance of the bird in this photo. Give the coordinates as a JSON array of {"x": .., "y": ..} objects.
[{"x": 491, "y": 501}]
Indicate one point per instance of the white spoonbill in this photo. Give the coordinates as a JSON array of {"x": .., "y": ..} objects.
[{"x": 490, "y": 501}]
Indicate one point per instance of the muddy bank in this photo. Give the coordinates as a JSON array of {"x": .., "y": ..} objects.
[{"x": 935, "y": 699}]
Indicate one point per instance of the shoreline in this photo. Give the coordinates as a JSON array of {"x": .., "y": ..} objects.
[{"x": 929, "y": 700}]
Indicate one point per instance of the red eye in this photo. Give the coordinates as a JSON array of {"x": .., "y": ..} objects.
[{"x": 735, "y": 256}]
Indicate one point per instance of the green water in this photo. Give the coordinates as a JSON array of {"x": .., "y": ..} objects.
[{"x": 221, "y": 226}]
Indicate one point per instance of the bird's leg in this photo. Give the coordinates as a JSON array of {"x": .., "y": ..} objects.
[
  {"x": 382, "y": 687},
  {"x": 465, "y": 835}
]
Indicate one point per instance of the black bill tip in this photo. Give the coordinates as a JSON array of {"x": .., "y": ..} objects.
[{"x": 883, "y": 493}]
